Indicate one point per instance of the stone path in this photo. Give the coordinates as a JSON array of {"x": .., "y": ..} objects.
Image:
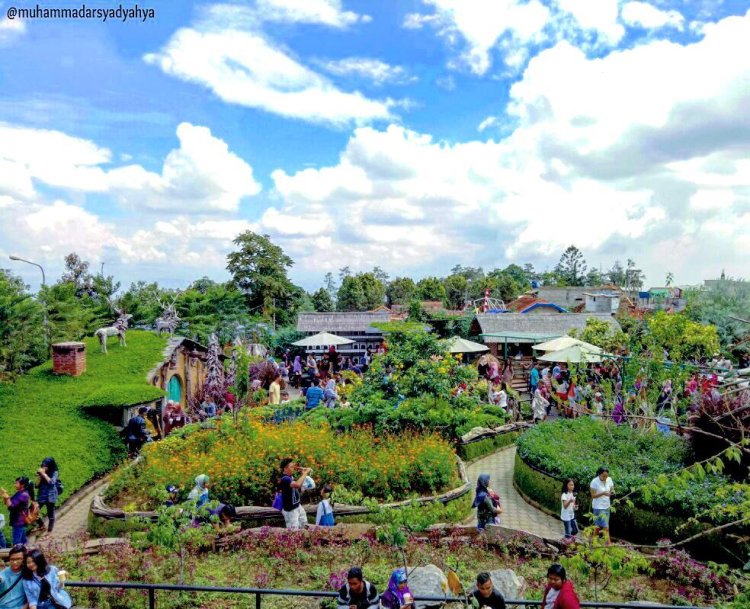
[
  {"x": 517, "y": 514},
  {"x": 72, "y": 517}
]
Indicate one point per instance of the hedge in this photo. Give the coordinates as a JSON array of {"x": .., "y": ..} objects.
[
  {"x": 635, "y": 524},
  {"x": 43, "y": 415},
  {"x": 475, "y": 450}
]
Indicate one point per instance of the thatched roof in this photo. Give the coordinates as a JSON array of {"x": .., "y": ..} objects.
[
  {"x": 522, "y": 328},
  {"x": 341, "y": 322}
]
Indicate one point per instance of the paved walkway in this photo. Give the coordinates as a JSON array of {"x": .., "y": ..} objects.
[
  {"x": 73, "y": 517},
  {"x": 517, "y": 514}
]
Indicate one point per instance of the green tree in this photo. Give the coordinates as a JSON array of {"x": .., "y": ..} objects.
[
  {"x": 601, "y": 334},
  {"x": 374, "y": 290},
  {"x": 634, "y": 277},
  {"x": 76, "y": 272},
  {"x": 22, "y": 340},
  {"x": 720, "y": 306},
  {"x": 70, "y": 317},
  {"x": 360, "y": 292},
  {"x": 502, "y": 285},
  {"x": 519, "y": 275},
  {"x": 351, "y": 295},
  {"x": 214, "y": 307},
  {"x": 616, "y": 275},
  {"x": 456, "y": 291},
  {"x": 329, "y": 283},
  {"x": 400, "y": 290},
  {"x": 572, "y": 266},
  {"x": 471, "y": 273},
  {"x": 680, "y": 336},
  {"x": 259, "y": 271},
  {"x": 430, "y": 288},
  {"x": 322, "y": 301},
  {"x": 380, "y": 274},
  {"x": 594, "y": 278},
  {"x": 141, "y": 301}
]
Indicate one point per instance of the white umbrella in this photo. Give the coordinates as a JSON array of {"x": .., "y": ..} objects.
[
  {"x": 456, "y": 344},
  {"x": 563, "y": 342},
  {"x": 574, "y": 355},
  {"x": 323, "y": 339}
]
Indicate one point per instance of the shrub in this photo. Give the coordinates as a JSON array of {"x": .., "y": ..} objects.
[
  {"x": 678, "y": 567},
  {"x": 551, "y": 452},
  {"x": 242, "y": 461},
  {"x": 577, "y": 448}
]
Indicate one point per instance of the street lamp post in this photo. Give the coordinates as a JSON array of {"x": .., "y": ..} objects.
[{"x": 44, "y": 302}]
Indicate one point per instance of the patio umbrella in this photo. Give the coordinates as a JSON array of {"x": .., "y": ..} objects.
[
  {"x": 563, "y": 342},
  {"x": 456, "y": 344},
  {"x": 574, "y": 355},
  {"x": 323, "y": 339}
]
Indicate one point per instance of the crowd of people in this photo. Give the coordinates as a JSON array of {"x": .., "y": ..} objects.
[
  {"x": 25, "y": 504},
  {"x": 359, "y": 593}
]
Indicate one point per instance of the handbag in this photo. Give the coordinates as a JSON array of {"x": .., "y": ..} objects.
[
  {"x": 278, "y": 502},
  {"x": 45, "y": 594}
]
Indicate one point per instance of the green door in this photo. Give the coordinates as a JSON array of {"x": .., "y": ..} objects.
[{"x": 174, "y": 390}]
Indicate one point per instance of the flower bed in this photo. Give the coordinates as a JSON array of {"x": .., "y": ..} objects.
[{"x": 242, "y": 462}]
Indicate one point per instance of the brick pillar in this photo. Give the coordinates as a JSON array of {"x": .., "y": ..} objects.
[{"x": 69, "y": 358}]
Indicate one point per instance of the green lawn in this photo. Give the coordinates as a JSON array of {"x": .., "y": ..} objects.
[{"x": 45, "y": 415}]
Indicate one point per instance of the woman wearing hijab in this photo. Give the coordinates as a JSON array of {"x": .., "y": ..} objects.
[
  {"x": 199, "y": 494},
  {"x": 18, "y": 505},
  {"x": 486, "y": 510},
  {"x": 47, "y": 492},
  {"x": 398, "y": 595}
]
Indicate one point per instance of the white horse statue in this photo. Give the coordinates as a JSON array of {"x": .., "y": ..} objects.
[{"x": 117, "y": 329}]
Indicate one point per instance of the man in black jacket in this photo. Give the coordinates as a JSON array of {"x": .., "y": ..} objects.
[
  {"x": 135, "y": 432},
  {"x": 357, "y": 593}
]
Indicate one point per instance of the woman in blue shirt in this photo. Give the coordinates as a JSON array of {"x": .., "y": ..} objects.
[
  {"x": 47, "y": 491},
  {"x": 42, "y": 584}
]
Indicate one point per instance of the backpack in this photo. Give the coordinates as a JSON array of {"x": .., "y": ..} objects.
[
  {"x": 31, "y": 515},
  {"x": 59, "y": 486}
]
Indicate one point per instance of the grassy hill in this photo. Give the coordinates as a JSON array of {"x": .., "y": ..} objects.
[{"x": 44, "y": 415}]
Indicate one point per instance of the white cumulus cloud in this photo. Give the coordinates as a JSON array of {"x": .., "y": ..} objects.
[
  {"x": 375, "y": 70},
  {"x": 229, "y": 54},
  {"x": 645, "y": 15}
]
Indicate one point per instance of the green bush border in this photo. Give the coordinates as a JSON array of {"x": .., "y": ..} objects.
[
  {"x": 634, "y": 524},
  {"x": 475, "y": 450}
]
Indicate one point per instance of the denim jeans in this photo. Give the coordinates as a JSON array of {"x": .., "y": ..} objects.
[
  {"x": 19, "y": 535},
  {"x": 571, "y": 527},
  {"x": 50, "y": 514},
  {"x": 3, "y": 541}
]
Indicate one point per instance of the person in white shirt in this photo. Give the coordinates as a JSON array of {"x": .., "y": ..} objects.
[
  {"x": 602, "y": 489},
  {"x": 568, "y": 509}
]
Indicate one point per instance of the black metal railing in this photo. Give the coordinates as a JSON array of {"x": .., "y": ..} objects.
[{"x": 259, "y": 593}]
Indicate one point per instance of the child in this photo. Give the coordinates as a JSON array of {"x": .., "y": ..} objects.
[
  {"x": 495, "y": 503},
  {"x": 568, "y": 514},
  {"x": 324, "y": 517}
]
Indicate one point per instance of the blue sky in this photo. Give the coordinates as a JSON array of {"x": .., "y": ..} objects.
[{"x": 412, "y": 135}]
